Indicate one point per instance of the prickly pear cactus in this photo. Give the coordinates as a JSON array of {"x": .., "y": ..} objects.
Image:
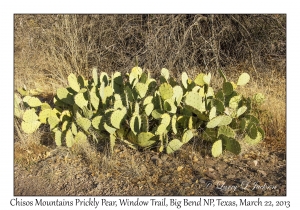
[{"x": 145, "y": 112}]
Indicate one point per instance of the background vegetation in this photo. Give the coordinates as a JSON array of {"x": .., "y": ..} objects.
[{"x": 47, "y": 48}]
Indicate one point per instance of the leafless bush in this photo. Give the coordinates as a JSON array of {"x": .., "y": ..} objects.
[{"x": 60, "y": 44}]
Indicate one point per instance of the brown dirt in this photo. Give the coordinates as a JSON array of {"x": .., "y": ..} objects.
[{"x": 62, "y": 172}]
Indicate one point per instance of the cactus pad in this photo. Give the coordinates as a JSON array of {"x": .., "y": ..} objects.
[
  {"x": 69, "y": 138},
  {"x": 34, "y": 102},
  {"x": 251, "y": 141},
  {"x": 227, "y": 88},
  {"x": 165, "y": 73},
  {"x": 73, "y": 82},
  {"x": 184, "y": 79},
  {"x": 64, "y": 95},
  {"x": 135, "y": 124},
  {"x": 207, "y": 78},
  {"x": 30, "y": 116},
  {"x": 217, "y": 148},
  {"x": 199, "y": 79},
  {"x": 149, "y": 108},
  {"x": 226, "y": 131},
  {"x": 80, "y": 138},
  {"x": 187, "y": 136},
  {"x": 145, "y": 139},
  {"x": 194, "y": 100},
  {"x": 177, "y": 94},
  {"x": 117, "y": 117},
  {"x": 169, "y": 106},
  {"x": 96, "y": 122},
  {"x": 219, "y": 121},
  {"x": 142, "y": 89},
  {"x": 243, "y": 79},
  {"x": 95, "y": 76},
  {"x": 84, "y": 123},
  {"x": 241, "y": 111},
  {"x": 58, "y": 138},
  {"x": 30, "y": 127},
  {"x": 165, "y": 91},
  {"x": 173, "y": 146},
  {"x": 109, "y": 129}
]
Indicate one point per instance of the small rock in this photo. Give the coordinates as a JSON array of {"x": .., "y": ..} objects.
[
  {"x": 262, "y": 172},
  {"x": 156, "y": 160},
  {"x": 210, "y": 175},
  {"x": 165, "y": 178}
]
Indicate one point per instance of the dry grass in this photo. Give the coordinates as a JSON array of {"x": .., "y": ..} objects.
[{"x": 49, "y": 47}]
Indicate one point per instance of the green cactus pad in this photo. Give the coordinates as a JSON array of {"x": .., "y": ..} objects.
[
  {"x": 212, "y": 113},
  {"x": 80, "y": 138},
  {"x": 69, "y": 138},
  {"x": 209, "y": 134},
  {"x": 141, "y": 89},
  {"x": 157, "y": 101},
  {"x": 165, "y": 73},
  {"x": 251, "y": 141},
  {"x": 165, "y": 91},
  {"x": 243, "y": 79},
  {"x": 194, "y": 100},
  {"x": 187, "y": 136},
  {"x": 65, "y": 115},
  {"x": 118, "y": 78},
  {"x": 147, "y": 100},
  {"x": 157, "y": 113},
  {"x": 96, "y": 122},
  {"x": 145, "y": 123},
  {"x": 58, "y": 138},
  {"x": 174, "y": 124},
  {"x": 73, "y": 83},
  {"x": 30, "y": 127},
  {"x": 34, "y": 102},
  {"x": 199, "y": 79},
  {"x": 66, "y": 125},
  {"x": 252, "y": 130},
  {"x": 161, "y": 129},
  {"x": 165, "y": 119},
  {"x": 45, "y": 106},
  {"x": 74, "y": 128},
  {"x": 217, "y": 148},
  {"x": 235, "y": 101},
  {"x": 227, "y": 88},
  {"x": 80, "y": 100},
  {"x": 53, "y": 121},
  {"x": 95, "y": 101},
  {"x": 226, "y": 131},
  {"x": 84, "y": 123},
  {"x": 109, "y": 129},
  {"x": 219, "y": 121},
  {"x": 117, "y": 117},
  {"x": 173, "y": 146},
  {"x": 219, "y": 105},
  {"x": 170, "y": 106},
  {"x": 30, "y": 116},
  {"x": 135, "y": 124},
  {"x": 220, "y": 95},
  {"x": 65, "y": 96},
  {"x": 184, "y": 79},
  {"x": 232, "y": 145},
  {"x": 104, "y": 79},
  {"x": 95, "y": 76},
  {"x": 241, "y": 111},
  {"x": 146, "y": 139},
  {"x": 222, "y": 75},
  {"x": 207, "y": 78},
  {"x": 148, "y": 109},
  {"x": 177, "y": 94}
]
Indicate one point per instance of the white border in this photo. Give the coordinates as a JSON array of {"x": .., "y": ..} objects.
[{"x": 8, "y": 8}]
